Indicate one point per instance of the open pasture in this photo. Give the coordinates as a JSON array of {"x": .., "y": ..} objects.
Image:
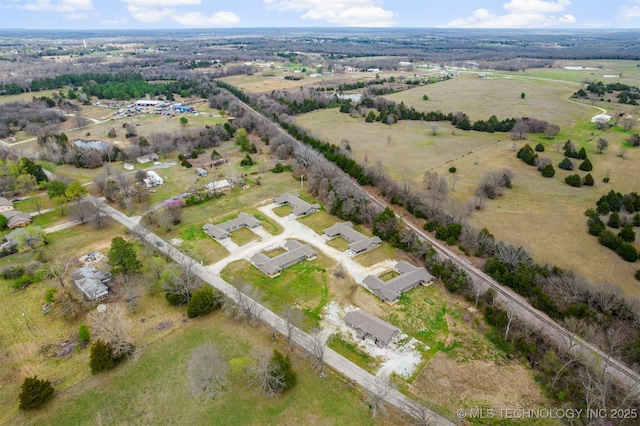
[{"x": 499, "y": 95}]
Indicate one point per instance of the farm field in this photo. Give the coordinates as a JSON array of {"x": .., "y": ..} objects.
[{"x": 546, "y": 216}]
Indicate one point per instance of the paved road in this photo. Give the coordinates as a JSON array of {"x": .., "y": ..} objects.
[
  {"x": 588, "y": 353},
  {"x": 300, "y": 338}
]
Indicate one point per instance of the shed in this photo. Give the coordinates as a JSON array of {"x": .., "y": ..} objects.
[{"x": 91, "y": 282}]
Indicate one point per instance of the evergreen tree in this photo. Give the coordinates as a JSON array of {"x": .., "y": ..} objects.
[
  {"x": 566, "y": 164},
  {"x": 540, "y": 148},
  {"x": 614, "y": 220},
  {"x": 34, "y": 392},
  {"x": 573, "y": 180},
  {"x": 628, "y": 252},
  {"x": 122, "y": 257},
  {"x": 548, "y": 171},
  {"x": 609, "y": 239},
  {"x": 582, "y": 154},
  {"x": 586, "y": 165},
  {"x": 588, "y": 180},
  {"x": 284, "y": 368},
  {"x": 627, "y": 234},
  {"x": 203, "y": 301},
  {"x": 101, "y": 357}
]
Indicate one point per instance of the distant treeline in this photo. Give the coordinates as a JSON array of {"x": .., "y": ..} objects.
[{"x": 628, "y": 94}]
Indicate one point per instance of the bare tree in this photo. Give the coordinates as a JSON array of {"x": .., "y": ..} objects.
[
  {"x": 628, "y": 122},
  {"x": 207, "y": 372},
  {"x": 180, "y": 282},
  {"x": 97, "y": 211},
  {"x": 110, "y": 326},
  {"x": 511, "y": 315},
  {"x": 129, "y": 286},
  {"x": 512, "y": 256},
  {"x": 247, "y": 304},
  {"x": 293, "y": 319},
  {"x": 376, "y": 397},
  {"x": 37, "y": 203},
  {"x": 602, "y": 145},
  {"x": 266, "y": 376},
  {"x": 422, "y": 414},
  {"x": 316, "y": 349},
  {"x": 59, "y": 268}
]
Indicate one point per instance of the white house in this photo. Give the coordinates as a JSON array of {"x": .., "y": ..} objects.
[{"x": 152, "y": 179}]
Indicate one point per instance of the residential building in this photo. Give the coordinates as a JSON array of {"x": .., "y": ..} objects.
[
  {"x": 147, "y": 158},
  {"x": 91, "y": 281},
  {"x": 223, "y": 230},
  {"x": 5, "y": 205},
  {"x": 300, "y": 207},
  {"x": 17, "y": 219},
  {"x": 358, "y": 243},
  {"x": 296, "y": 252},
  {"x": 152, "y": 179},
  {"x": 368, "y": 325},
  {"x": 390, "y": 291},
  {"x": 219, "y": 186}
]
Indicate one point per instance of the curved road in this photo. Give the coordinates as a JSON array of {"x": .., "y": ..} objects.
[{"x": 563, "y": 338}]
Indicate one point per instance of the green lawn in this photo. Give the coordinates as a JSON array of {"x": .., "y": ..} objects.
[
  {"x": 283, "y": 211},
  {"x": 319, "y": 221},
  {"x": 385, "y": 252},
  {"x": 152, "y": 389},
  {"x": 353, "y": 354},
  {"x": 243, "y": 236},
  {"x": 304, "y": 284}
]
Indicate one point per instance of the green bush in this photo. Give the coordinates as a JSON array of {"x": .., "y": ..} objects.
[
  {"x": 573, "y": 180},
  {"x": 452, "y": 169},
  {"x": 34, "y": 392},
  {"x": 84, "y": 334},
  {"x": 247, "y": 161},
  {"x": 627, "y": 234},
  {"x": 548, "y": 171},
  {"x": 539, "y": 148},
  {"x": 596, "y": 225},
  {"x": 203, "y": 301},
  {"x": 177, "y": 299},
  {"x": 566, "y": 164},
  {"x": 101, "y": 357},
  {"x": 614, "y": 220},
  {"x": 449, "y": 232},
  {"x": 628, "y": 252},
  {"x": 609, "y": 239},
  {"x": 283, "y": 368},
  {"x": 588, "y": 180},
  {"x": 586, "y": 165},
  {"x": 637, "y": 275}
]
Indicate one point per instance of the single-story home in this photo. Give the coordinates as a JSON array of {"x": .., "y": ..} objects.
[
  {"x": 218, "y": 186},
  {"x": 91, "y": 281},
  {"x": 300, "y": 207},
  {"x": 147, "y": 158},
  {"x": 152, "y": 179},
  {"x": 5, "y": 205},
  {"x": 296, "y": 252},
  {"x": 390, "y": 291},
  {"x": 368, "y": 325},
  {"x": 358, "y": 243},
  {"x": 223, "y": 230},
  {"x": 17, "y": 219}
]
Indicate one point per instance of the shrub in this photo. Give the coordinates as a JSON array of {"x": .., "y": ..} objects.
[
  {"x": 83, "y": 333},
  {"x": 586, "y": 165},
  {"x": 548, "y": 171},
  {"x": 596, "y": 225},
  {"x": 247, "y": 161},
  {"x": 582, "y": 154},
  {"x": 539, "y": 148},
  {"x": 637, "y": 275},
  {"x": 627, "y": 234},
  {"x": 449, "y": 232},
  {"x": 452, "y": 169},
  {"x": 279, "y": 168},
  {"x": 614, "y": 220},
  {"x": 573, "y": 180},
  {"x": 101, "y": 357},
  {"x": 588, "y": 180},
  {"x": 566, "y": 164},
  {"x": 34, "y": 392},
  {"x": 283, "y": 368},
  {"x": 177, "y": 299},
  {"x": 203, "y": 301},
  {"x": 527, "y": 155},
  {"x": 609, "y": 239},
  {"x": 628, "y": 252}
]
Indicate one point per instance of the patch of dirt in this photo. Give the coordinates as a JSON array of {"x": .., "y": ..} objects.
[
  {"x": 62, "y": 349},
  {"x": 163, "y": 326},
  {"x": 454, "y": 384}
]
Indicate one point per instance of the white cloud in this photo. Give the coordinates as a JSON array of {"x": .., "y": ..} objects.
[
  {"x": 153, "y": 11},
  {"x": 63, "y": 6},
  {"x": 522, "y": 14},
  {"x": 348, "y": 13},
  {"x": 632, "y": 11}
]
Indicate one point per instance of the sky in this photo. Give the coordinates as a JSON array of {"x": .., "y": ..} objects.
[{"x": 154, "y": 14}]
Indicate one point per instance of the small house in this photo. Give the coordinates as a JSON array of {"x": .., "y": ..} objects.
[
  {"x": 219, "y": 186},
  {"x": 201, "y": 172},
  {"x": 300, "y": 207},
  {"x": 272, "y": 266},
  {"x": 91, "y": 282},
  {"x": 5, "y": 205},
  {"x": 409, "y": 277},
  {"x": 147, "y": 158},
  {"x": 367, "y": 325},
  {"x": 223, "y": 230},
  {"x": 152, "y": 179},
  {"x": 17, "y": 219}
]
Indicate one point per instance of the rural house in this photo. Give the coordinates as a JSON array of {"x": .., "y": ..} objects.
[
  {"x": 368, "y": 325},
  {"x": 17, "y": 219},
  {"x": 358, "y": 243},
  {"x": 300, "y": 207},
  {"x": 147, "y": 158},
  {"x": 91, "y": 282},
  {"x": 390, "y": 291},
  {"x": 218, "y": 186},
  {"x": 223, "y": 230},
  {"x": 272, "y": 266},
  {"x": 152, "y": 179}
]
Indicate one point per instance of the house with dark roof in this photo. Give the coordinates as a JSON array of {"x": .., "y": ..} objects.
[
  {"x": 223, "y": 230},
  {"x": 409, "y": 277},
  {"x": 91, "y": 281},
  {"x": 367, "y": 325},
  {"x": 148, "y": 158},
  {"x": 299, "y": 206},
  {"x": 358, "y": 243},
  {"x": 272, "y": 266}
]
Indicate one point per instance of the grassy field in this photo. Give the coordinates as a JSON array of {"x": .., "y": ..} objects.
[{"x": 153, "y": 388}]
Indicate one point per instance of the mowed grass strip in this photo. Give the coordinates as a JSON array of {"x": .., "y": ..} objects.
[
  {"x": 153, "y": 388},
  {"x": 345, "y": 347}
]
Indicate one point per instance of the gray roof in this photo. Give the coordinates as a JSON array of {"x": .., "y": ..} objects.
[
  {"x": 223, "y": 230},
  {"x": 359, "y": 242},
  {"x": 295, "y": 253},
  {"x": 410, "y": 277},
  {"x": 17, "y": 218},
  {"x": 369, "y": 324},
  {"x": 5, "y": 203},
  {"x": 300, "y": 207},
  {"x": 90, "y": 281}
]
